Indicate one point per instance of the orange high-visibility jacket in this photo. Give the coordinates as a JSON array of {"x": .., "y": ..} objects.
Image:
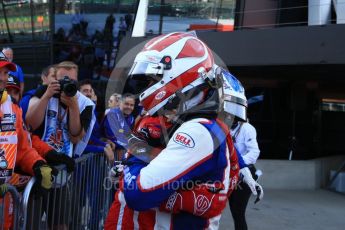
[{"x": 26, "y": 155}]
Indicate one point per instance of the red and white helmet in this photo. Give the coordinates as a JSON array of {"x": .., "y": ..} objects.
[{"x": 170, "y": 63}]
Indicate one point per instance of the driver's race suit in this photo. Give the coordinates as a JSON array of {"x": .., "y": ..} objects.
[{"x": 197, "y": 152}]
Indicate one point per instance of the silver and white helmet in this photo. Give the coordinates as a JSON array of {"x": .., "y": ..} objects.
[{"x": 232, "y": 95}]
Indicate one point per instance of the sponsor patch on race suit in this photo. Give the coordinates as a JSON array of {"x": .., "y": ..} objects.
[{"x": 184, "y": 139}]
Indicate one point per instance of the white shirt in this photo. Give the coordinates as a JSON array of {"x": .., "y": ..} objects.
[{"x": 245, "y": 142}]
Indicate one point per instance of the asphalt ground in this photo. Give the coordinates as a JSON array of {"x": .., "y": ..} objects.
[{"x": 293, "y": 210}]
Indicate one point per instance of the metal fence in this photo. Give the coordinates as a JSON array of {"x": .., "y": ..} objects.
[
  {"x": 10, "y": 209},
  {"x": 78, "y": 200}
]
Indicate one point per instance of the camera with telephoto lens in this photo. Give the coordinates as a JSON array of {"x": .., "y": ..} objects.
[{"x": 68, "y": 86}]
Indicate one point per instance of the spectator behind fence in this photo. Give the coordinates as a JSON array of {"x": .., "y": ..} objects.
[
  {"x": 63, "y": 118},
  {"x": 8, "y": 51},
  {"x": 15, "y": 149},
  {"x": 59, "y": 119},
  {"x": 96, "y": 144},
  {"x": 13, "y": 88},
  {"x": 113, "y": 102},
  {"x": 118, "y": 123},
  {"x": 47, "y": 76}
]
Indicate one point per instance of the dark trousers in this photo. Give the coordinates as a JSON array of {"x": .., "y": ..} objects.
[{"x": 238, "y": 203}]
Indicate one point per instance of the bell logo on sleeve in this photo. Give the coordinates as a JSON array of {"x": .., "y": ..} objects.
[{"x": 184, "y": 139}]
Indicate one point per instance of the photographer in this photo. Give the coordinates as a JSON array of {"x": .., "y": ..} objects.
[
  {"x": 63, "y": 118},
  {"x": 60, "y": 114}
]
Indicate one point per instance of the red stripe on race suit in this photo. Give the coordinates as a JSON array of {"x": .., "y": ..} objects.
[
  {"x": 127, "y": 220},
  {"x": 234, "y": 166},
  {"x": 147, "y": 220},
  {"x": 113, "y": 214}
]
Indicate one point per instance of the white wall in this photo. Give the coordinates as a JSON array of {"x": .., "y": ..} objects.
[
  {"x": 304, "y": 174},
  {"x": 319, "y": 12},
  {"x": 340, "y": 11}
]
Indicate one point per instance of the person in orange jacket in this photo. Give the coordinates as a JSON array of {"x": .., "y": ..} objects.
[{"x": 15, "y": 150}]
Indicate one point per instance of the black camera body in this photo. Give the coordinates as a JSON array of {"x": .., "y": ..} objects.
[{"x": 68, "y": 86}]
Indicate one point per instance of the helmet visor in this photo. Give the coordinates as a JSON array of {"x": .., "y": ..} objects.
[
  {"x": 146, "y": 68},
  {"x": 235, "y": 109},
  {"x": 143, "y": 75}
]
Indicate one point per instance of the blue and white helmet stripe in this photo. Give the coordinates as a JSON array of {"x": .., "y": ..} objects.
[{"x": 231, "y": 82}]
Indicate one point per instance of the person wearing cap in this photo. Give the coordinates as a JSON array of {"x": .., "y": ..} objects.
[
  {"x": 15, "y": 148},
  {"x": 18, "y": 72},
  {"x": 13, "y": 88}
]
